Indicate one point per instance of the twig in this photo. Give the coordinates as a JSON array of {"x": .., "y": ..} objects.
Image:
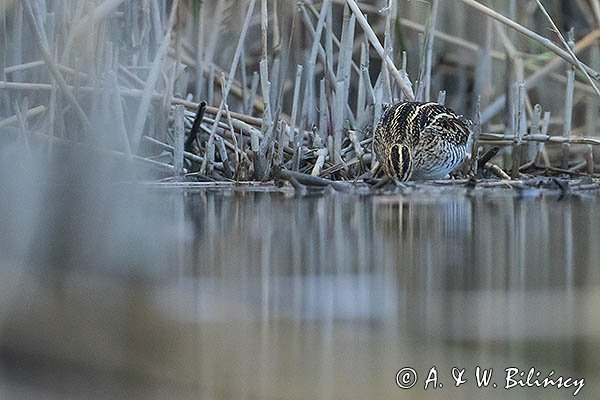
[
  {"x": 311, "y": 180},
  {"x": 487, "y": 156},
  {"x": 569, "y": 47},
  {"x": 530, "y": 34},
  {"x": 534, "y": 79},
  {"x": 496, "y": 170}
]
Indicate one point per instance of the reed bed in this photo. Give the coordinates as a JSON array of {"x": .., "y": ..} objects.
[{"x": 272, "y": 90}]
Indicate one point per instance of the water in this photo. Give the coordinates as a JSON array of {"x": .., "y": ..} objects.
[{"x": 228, "y": 294}]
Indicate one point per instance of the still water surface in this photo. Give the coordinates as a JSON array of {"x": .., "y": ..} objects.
[{"x": 226, "y": 295}]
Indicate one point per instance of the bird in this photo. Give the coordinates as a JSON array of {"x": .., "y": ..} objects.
[{"x": 420, "y": 141}]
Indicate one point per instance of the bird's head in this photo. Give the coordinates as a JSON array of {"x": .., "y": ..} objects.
[{"x": 399, "y": 162}]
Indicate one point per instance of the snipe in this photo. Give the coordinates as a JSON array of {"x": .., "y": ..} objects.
[{"x": 417, "y": 141}]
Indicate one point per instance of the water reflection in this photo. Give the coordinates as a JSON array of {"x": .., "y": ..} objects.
[{"x": 259, "y": 295}]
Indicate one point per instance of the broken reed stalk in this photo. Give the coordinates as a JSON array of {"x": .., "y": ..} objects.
[
  {"x": 220, "y": 145},
  {"x": 33, "y": 64},
  {"x": 541, "y": 148},
  {"x": 540, "y": 138},
  {"x": 326, "y": 56},
  {"x": 332, "y": 97},
  {"x": 308, "y": 111},
  {"x": 129, "y": 93},
  {"x": 312, "y": 180},
  {"x": 536, "y": 119},
  {"x": 22, "y": 122},
  {"x": 153, "y": 75},
  {"x": 32, "y": 112},
  {"x": 389, "y": 50},
  {"x": 199, "y": 49},
  {"x": 520, "y": 129},
  {"x": 131, "y": 77},
  {"x": 212, "y": 71},
  {"x": 187, "y": 155},
  {"x": 195, "y": 126},
  {"x": 345, "y": 53},
  {"x": 268, "y": 126},
  {"x": 237, "y": 145},
  {"x": 442, "y": 97},
  {"x": 264, "y": 67},
  {"x": 227, "y": 87},
  {"x": 89, "y": 149},
  {"x": 404, "y": 84},
  {"x": 295, "y": 137},
  {"x": 85, "y": 24},
  {"x": 45, "y": 53},
  {"x": 338, "y": 121},
  {"x": 361, "y": 95},
  {"x": 179, "y": 140},
  {"x": 475, "y": 138},
  {"x": 117, "y": 111},
  {"x": 211, "y": 84},
  {"x": 429, "y": 50},
  {"x": 568, "y": 105},
  {"x": 330, "y": 37},
  {"x": 589, "y": 159},
  {"x": 322, "y": 53},
  {"x": 596, "y": 10}
]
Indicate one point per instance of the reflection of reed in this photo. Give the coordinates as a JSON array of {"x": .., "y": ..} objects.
[{"x": 254, "y": 289}]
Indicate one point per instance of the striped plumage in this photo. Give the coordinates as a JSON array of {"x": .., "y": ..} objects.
[{"x": 420, "y": 140}]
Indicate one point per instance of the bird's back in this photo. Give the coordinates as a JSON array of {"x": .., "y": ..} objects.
[{"x": 434, "y": 137}]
